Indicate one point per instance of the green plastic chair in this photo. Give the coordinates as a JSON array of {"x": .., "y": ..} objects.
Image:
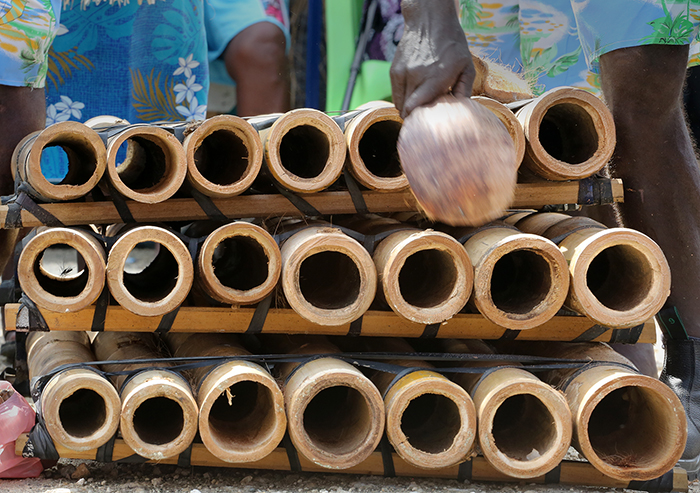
[{"x": 343, "y": 19}]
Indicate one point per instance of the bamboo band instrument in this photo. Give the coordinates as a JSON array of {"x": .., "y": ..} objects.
[
  {"x": 629, "y": 426},
  {"x": 335, "y": 414},
  {"x": 154, "y": 165},
  {"x": 304, "y": 150},
  {"x": 424, "y": 276},
  {"x": 56, "y": 285},
  {"x": 372, "y": 157},
  {"x": 524, "y": 424},
  {"x": 158, "y": 411},
  {"x": 520, "y": 280},
  {"x": 508, "y": 119},
  {"x": 570, "y": 134},
  {"x": 239, "y": 264},
  {"x": 430, "y": 421},
  {"x": 80, "y": 407},
  {"x": 241, "y": 407},
  {"x": 327, "y": 277},
  {"x": 224, "y": 156},
  {"x": 619, "y": 277},
  {"x": 79, "y": 145},
  {"x": 159, "y": 287}
]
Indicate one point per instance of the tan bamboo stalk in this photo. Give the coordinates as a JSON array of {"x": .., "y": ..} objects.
[
  {"x": 304, "y": 150},
  {"x": 327, "y": 277},
  {"x": 79, "y": 406},
  {"x": 85, "y": 152},
  {"x": 158, "y": 411},
  {"x": 224, "y": 156},
  {"x": 508, "y": 119},
  {"x": 425, "y": 276},
  {"x": 335, "y": 414},
  {"x": 619, "y": 276},
  {"x": 629, "y": 426},
  {"x": 372, "y": 157},
  {"x": 570, "y": 134},
  {"x": 239, "y": 264},
  {"x": 520, "y": 280},
  {"x": 73, "y": 288},
  {"x": 160, "y": 287},
  {"x": 524, "y": 424},
  {"x": 430, "y": 421},
  {"x": 241, "y": 407},
  {"x": 155, "y": 165}
]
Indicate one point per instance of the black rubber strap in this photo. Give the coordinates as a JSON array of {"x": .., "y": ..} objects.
[
  {"x": 207, "y": 205},
  {"x": 100, "y": 315},
  {"x": 626, "y": 336},
  {"x": 185, "y": 457},
  {"x": 558, "y": 239},
  {"x": 166, "y": 321},
  {"x": 355, "y": 327},
  {"x": 39, "y": 443},
  {"x": 44, "y": 216},
  {"x": 595, "y": 191},
  {"x": 13, "y": 218},
  {"x": 29, "y": 318},
  {"x": 355, "y": 193},
  {"x": 591, "y": 334},
  {"x": 509, "y": 335},
  {"x": 292, "y": 454},
  {"x": 132, "y": 459},
  {"x": 387, "y": 457},
  {"x": 106, "y": 451},
  {"x": 464, "y": 473},
  {"x": 553, "y": 476},
  {"x": 430, "y": 331},
  {"x": 120, "y": 204},
  {"x": 259, "y": 316},
  {"x": 670, "y": 320},
  {"x": 302, "y": 205},
  {"x": 658, "y": 485},
  {"x": 398, "y": 376}
]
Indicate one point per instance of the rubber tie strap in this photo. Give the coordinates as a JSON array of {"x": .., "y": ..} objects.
[
  {"x": 185, "y": 457},
  {"x": 595, "y": 190},
  {"x": 44, "y": 216},
  {"x": 301, "y": 205},
  {"x": 29, "y": 318},
  {"x": 464, "y": 472},
  {"x": 207, "y": 205},
  {"x": 399, "y": 376},
  {"x": 257, "y": 322},
  {"x": 591, "y": 334},
  {"x": 166, "y": 322},
  {"x": 105, "y": 452},
  {"x": 358, "y": 200},
  {"x": 13, "y": 217},
  {"x": 39, "y": 443},
  {"x": 553, "y": 476},
  {"x": 430, "y": 331},
  {"x": 100, "y": 315},
  {"x": 355, "y": 327},
  {"x": 387, "y": 457},
  {"x": 661, "y": 484},
  {"x": 292, "y": 454},
  {"x": 120, "y": 204},
  {"x": 132, "y": 459},
  {"x": 509, "y": 335}
]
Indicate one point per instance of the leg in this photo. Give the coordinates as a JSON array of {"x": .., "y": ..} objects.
[
  {"x": 257, "y": 61},
  {"x": 655, "y": 158}
]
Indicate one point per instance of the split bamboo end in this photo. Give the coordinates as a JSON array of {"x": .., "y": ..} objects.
[
  {"x": 508, "y": 119},
  {"x": 224, "y": 156},
  {"x": 430, "y": 421}
]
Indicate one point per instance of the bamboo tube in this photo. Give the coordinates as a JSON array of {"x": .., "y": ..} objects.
[
  {"x": 241, "y": 407},
  {"x": 335, "y": 414},
  {"x": 619, "y": 277},
  {"x": 79, "y": 406},
  {"x": 224, "y": 156},
  {"x": 629, "y": 426},
  {"x": 509, "y": 120},
  {"x": 239, "y": 264},
  {"x": 304, "y": 150},
  {"x": 327, "y": 277},
  {"x": 154, "y": 167},
  {"x": 161, "y": 286},
  {"x": 372, "y": 157},
  {"x": 158, "y": 411},
  {"x": 81, "y": 146},
  {"x": 67, "y": 289},
  {"x": 524, "y": 424},
  {"x": 570, "y": 134},
  {"x": 430, "y": 421},
  {"x": 424, "y": 276},
  {"x": 520, "y": 280}
]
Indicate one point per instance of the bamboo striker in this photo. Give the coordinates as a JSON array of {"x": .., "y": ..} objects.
[
  {"x": 520, "y": 280},
  {"x": 80, "y": 407},
  {"x": 81, "y": 146},
  {"x": 153, "y": 168},
  {"x": 67, "y": 289},
  {"x": 241, "y": 407},
  {"x": 372, "y": 157},
  {"x": 327, "y": 277},
  {"x": 430, "y": 421},
  {"x": 425, "y": 276},
  {"x": 161, "y": 286},
  {"x": 619, "y": 276},
  {"x": 239, "y": 264},
  {"x": 570, "y": 134},
  {"x": 224, "y": 156},
  {"x": 629, "y": 426},
  {"x": 158, "y": 412},
  {"x": 335, "y": 414},
  {"x": 304, "y": 150},
  {"x": 459, "y": 160},
  {"x": 508, "y": 119},
  {"x": 524, "y": 424}
]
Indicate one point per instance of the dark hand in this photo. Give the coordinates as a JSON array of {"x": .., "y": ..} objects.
[{"x": 433, "y": 56}]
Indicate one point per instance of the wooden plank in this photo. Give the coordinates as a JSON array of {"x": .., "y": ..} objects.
[
  {"x": 374, "y": 323},
  {"x": 527, "y": 195},
  {"x": 570, "y": 472}
]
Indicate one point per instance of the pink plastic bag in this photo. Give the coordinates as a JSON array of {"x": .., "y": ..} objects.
[{"x": 16, "y": 417}]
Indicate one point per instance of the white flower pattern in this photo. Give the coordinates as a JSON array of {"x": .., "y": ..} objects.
[
  {"x": 187, "y": 90},
  {"x": 54, "y": 116},
  {"x": 70, "y": 107},
  {"x": 195, "y": 111},
  {"x": 186, "y": 65}
]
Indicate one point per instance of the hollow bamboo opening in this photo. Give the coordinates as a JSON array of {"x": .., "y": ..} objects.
[
  {"x": 329, "y": 280},
  {"x": 522, "y": 427},
  {"x": 252, "y": 269},
  {"x": 156, "y": 279},
  {"x": 431, "y": 423},
  {"x": 158, "y": 420},
  {"x": 567, "y": 133},
  {"x": 427, "y": 278},
  {"x": 304, "y": 151},
  {"x": 58, "y": 275},
  {"x": 83, "y": 413},
  {"x": 222, "y": 158},
  {"x": 377, "y": 149},
  {"x": 520, "y": 281}
]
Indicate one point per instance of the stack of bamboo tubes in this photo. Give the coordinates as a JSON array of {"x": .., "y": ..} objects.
[{"x": 518, "y": 272}]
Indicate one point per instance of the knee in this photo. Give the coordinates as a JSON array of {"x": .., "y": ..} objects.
[{"x": 261, "y": 45}]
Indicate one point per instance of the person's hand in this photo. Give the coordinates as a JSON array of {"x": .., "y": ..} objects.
[{"x": 433, "y": 56}]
